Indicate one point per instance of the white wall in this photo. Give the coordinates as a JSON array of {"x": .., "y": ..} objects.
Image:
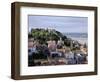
[{"x": 5, "y": 40}]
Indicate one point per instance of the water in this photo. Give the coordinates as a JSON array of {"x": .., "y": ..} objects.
[{"x": 80, "y": 37}]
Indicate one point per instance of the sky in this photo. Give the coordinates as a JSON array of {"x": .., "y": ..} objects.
[{"x": 64, "y": 24}]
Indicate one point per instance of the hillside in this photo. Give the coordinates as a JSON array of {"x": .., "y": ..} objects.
[{"x": 44, "y": 35}]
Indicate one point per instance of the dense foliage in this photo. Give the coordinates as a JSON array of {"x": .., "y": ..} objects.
[{"x": 44, "y": 35}]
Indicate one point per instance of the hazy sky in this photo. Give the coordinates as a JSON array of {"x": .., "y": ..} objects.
[{"x": 60, "y": 23}]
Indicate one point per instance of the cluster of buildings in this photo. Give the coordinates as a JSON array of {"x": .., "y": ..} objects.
[{"x": 57, "y": 53}]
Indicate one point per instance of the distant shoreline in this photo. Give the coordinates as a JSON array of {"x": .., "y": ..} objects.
[
  {"x": 81, "y": 40},
  {"x": 80, "y": 37}
]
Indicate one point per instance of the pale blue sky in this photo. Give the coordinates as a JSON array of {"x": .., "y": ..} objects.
[{"x": 64, "y": 24}]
